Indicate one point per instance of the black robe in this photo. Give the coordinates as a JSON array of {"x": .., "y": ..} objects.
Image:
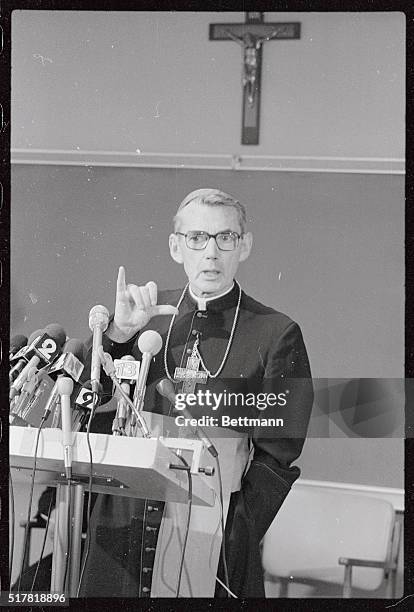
[{"x": 267, "y": 355}]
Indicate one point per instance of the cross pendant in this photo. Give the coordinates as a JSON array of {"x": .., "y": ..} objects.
[{"x": 190, "y": 375}]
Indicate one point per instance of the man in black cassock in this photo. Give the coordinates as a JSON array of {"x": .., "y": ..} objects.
[{"x": 242, "y": 346}]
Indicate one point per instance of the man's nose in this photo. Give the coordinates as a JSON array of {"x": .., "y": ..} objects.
[{"x": 212, "y": 249}]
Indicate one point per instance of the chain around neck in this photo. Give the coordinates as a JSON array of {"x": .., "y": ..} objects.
[{"x": 233, "y": 329}]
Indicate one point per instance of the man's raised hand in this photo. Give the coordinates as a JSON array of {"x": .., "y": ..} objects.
[{"x": 134, "y": 308}]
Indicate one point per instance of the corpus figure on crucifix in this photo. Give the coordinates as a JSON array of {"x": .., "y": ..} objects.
[
  {"x": 251, "y": 36},
  {"x": 251, "y": 46}
]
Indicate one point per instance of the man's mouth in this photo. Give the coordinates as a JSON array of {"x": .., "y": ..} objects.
[{"x": 210, "y": 273}]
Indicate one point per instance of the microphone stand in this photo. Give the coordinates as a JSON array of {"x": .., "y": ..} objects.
[
  {"x": 69, "y": 511},
  {"x": 69, "y": 515}
]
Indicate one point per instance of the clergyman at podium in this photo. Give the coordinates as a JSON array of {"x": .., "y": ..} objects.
[{"x": 238, "y": 345}]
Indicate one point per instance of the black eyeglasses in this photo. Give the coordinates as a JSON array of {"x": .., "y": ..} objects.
[{"x": 197, "y": 241}]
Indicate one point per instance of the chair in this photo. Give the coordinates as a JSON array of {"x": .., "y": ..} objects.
[
  {"x": 36, "y": 523},
  {"x": 337, "y": 537}
]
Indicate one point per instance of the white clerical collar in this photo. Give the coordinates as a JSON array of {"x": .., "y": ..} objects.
[{"x": 202, "y": 302}]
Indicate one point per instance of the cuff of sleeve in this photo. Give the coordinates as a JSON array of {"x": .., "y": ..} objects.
[{"x": 117, "y": 349}]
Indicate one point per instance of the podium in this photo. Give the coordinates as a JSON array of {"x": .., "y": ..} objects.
[{"x": 140, "y": 468}]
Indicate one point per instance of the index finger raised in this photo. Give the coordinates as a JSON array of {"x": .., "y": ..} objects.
[{"x": 120, "y": 281}]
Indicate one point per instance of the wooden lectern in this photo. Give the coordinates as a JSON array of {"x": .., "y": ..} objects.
[{"x": 140, "y": 468}]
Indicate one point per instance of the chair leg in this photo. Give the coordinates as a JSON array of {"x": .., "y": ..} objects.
[
  {"x": 284, "y": 587},
  {"x": 347, "y": 588},
  {"x": 392, "y": 584},
  {"x": 26, "y": 560},
  {"x": 282, "y": 584}
]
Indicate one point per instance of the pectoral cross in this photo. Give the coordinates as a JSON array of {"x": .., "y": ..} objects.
[
  {"x": 251, "y": 36},
  {"x": 190, "y": 375}
]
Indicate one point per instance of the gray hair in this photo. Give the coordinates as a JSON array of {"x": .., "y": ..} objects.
[{"x": 213, "y": 197}]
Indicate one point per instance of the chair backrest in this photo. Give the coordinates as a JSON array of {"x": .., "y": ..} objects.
[{"x": 315, "y": 526}]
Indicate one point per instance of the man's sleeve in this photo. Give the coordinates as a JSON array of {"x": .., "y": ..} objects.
[{"x": 270, "y": 475}]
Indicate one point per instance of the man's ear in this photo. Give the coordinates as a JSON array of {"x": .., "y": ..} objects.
[
  {"x": 246, "y": 246},
  {"x": 175, "y": 248}
]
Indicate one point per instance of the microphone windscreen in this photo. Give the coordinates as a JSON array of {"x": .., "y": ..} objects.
[
  {"x": 98, "y": 317},
  {"x": 76, "y": 347},
  {"x": 64, "y": 385},
  {"x": 34, "y": 335},
  {"x": 56, "y": 332},
  {"x": 150, "y": 342},
  {"x": 17, "y": 342},
  {"x": 166, "y": 389}
]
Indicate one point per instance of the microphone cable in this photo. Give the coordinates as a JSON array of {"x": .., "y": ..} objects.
[
  {"x": 187, "y": 527},
  {"x": 29, "y": 511},
  {"x": 88, "y": 513},
  {"x": 49, "y": 512},
  {"x": 223, "y": 543},
  {"x": 229, "y": 593}
]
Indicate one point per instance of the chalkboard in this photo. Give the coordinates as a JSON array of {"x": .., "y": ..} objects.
[{"x": 328, "y": 250}]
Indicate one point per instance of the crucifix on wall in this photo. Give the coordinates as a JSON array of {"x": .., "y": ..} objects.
[{"x": 251, "y": 36}]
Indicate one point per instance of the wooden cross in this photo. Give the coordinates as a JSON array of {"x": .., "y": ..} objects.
[
  {"x": 251, "y": 36},
  {"x": 190, "y": 375}
]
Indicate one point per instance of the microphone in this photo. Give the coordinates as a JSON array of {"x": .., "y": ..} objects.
[
  {"x": 108, "y": 366},
  {"x": 52, "y": 402},
  {"x": 16, "y": 343},
  {"x": 65, "y": 388},
  {"x": 29, "y": 387},
  {"x": 149, "y": 343},
  {"x": 76, "y": 347},
  {"x": 84, "y": 404},
  {"x": 57, "y": 332},
  {"x": 119, "y": 422},
  {"x": 166, "y": 389},
  {"x": 98, "y": 323},
  {"x": 44, "y": 350},
  {"x": 39, "y": 393},
  {"x": 19, "y": 358},
  {"x": 85, "y": 398},
  {"x": 71, "y": 361}
]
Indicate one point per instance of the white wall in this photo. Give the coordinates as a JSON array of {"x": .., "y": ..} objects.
[{"x": 153, "y": 81}]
